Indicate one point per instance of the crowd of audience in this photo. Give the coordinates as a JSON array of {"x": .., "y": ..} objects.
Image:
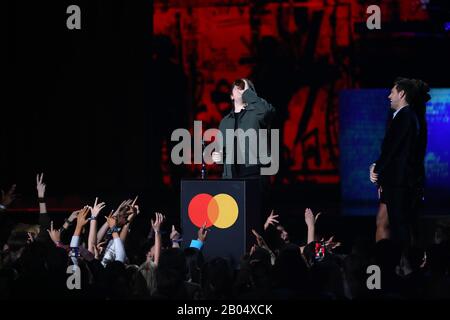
[{"x": 43, "y": 261}]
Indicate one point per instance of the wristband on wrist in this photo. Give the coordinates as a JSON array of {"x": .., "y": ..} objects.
[
  {"x": 115, "y": 229},
  {"x": 196, "y": 244},
  {"x": 92, "y": 218},
  {"x": 74, "y": 252},
  {"x": 178, "y": 240},
  {"x": 41, "y": 200},
  {"x": 59, "y": 244}
]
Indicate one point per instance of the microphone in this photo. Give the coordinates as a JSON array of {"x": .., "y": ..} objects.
[{"x": 203, "y": 171}]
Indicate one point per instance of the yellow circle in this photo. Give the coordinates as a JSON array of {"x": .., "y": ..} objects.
[{"x": 228, "y": 211}]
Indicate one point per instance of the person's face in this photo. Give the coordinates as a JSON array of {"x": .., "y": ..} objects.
[
  {"x": 236, "y": 94},
  {"x": 396, "y": 97},
  {"x": 284, "y": 235}
]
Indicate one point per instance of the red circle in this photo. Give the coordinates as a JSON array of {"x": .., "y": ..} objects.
[{"x": 198, "y": 210}]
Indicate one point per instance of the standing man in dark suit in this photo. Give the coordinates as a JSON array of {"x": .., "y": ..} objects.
[{"x": 397, "y": 170}]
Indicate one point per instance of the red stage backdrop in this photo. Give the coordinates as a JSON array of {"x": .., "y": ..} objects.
[{"x": 299, "y": 55}]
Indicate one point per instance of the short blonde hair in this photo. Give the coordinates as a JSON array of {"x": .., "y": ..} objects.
[{"x": 23, "y": 227}]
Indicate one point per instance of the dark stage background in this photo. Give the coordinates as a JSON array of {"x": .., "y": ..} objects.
[{"x": 94, "y": 108}]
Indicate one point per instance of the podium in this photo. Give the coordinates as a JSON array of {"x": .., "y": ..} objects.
[{"x": 229, "y": 207}]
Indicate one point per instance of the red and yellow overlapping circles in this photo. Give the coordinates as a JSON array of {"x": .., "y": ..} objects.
[{"x": 220, "y": 210}]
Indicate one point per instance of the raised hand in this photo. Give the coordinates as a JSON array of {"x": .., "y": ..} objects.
[
  {"x": 174, "y": 234},
  {"x": 156, "y": 224},
  {"x": 8, "y": 197},
  {"x": 40, "y": 186},
  {"x": 259, "y": 239},
  {"x": 310, "y": 220},
  {"x": 82, "y": 217},
  {"x": 73, "y": 215},
  {"x": 133, "y": 210},
  {"x": 271, "y": 220},
  {"x": 330, "y": 244},
  {"x": 122, "y": 207},
  {"x": 111, "y": 220},
  {"x": 30, "y": 237},
  {"x": 95, "y": 210},
  {"x": 54, "y": 234},
  {"x": 134, "y": 202},
  {"x": 202, "y": 233},
  {"x": 98, "y": 249}
]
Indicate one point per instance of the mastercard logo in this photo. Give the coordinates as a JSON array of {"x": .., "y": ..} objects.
[{"x": 220, "y": 210}]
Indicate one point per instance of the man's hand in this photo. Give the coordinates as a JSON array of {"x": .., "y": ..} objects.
[
  {"x": 134, "y": 202},
  {"x": 133, "y": 210},
  {"x": 174, "y": 234},
  {"x": 310, "y": 220},
  {"x": 111, "y": 220},
  {"x": 82, "y": 217},
  {"x": 30, "y": 237},
  {"x": 81, "y": 221},
  {"x": 98, "y": 249},
  {"x": 372, "y": 175},
  {"x": 8, "y": 197},
  {"x": 73, "y": 215},
  {"x": 123, "y": 207},
  {"x": 202, "y": 233},
  {"x": 175, "y": 237},
  {"x": 156, "y": 224},
  {"x": 216, "y": 157},
  {"x": 40, "y": 186},
  {"x": 95, "y": 210},
  {"x": 259, "y": 239},
  {"x": 271, "y": 220},
  {"x": 330, "y": 244},
  {"x": 54, "y": 234}
]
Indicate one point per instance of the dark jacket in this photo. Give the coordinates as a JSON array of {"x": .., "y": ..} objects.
[
  {"x": 399, "y": 163},
  {"x": 258, "y": 115}
]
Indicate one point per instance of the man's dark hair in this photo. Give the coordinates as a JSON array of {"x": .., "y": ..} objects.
[
  {"x": 407, "y": 86},
  {"x": 240, "y": 83}
]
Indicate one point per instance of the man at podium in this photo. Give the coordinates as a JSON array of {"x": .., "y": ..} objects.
[{"x": 250, "y": 113}]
